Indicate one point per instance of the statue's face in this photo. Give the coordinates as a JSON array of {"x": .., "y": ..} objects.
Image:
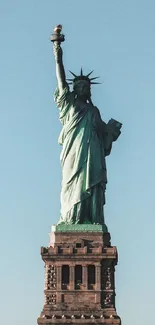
[{"x": 82, "y": 89}]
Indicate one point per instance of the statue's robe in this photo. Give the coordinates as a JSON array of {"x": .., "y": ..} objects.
[{"x": 85, "y": 140}]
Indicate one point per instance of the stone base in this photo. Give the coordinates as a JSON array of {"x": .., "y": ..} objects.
[
  {"x": 86, "y": 297},
  {"x": 71, "y": 234}
]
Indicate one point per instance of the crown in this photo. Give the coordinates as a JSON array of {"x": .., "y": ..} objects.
[{"x": 83, "y": 77}]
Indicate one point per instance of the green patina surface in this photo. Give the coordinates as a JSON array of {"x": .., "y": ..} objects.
[
  {"x": 79, "y": 228},
  {"x": 86, "y": 140}
]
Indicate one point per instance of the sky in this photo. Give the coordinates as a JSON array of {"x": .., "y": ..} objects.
[{"x": 115, "y": 38}]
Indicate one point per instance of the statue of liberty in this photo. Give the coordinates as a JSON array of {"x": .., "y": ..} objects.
[{"x": 86, "y": 140}]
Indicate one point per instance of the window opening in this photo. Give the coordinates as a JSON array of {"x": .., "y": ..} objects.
[
  {"x": 78, "y": 245},
  {"x": 91, "y": 277},
  {"x": 78, "y": 277},
  {"x": 65, "y": 277}
]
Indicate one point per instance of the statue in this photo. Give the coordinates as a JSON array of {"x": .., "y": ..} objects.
[{"x": 86, "y": 140}]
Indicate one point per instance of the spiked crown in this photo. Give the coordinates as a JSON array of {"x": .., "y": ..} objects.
[{"x": 82, "y": 77}]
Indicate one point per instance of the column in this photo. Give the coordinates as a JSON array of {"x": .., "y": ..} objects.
[
  {"x": 85, "y": 277},
  {"x": 72, "y": 277},
  {"x": 59, "y": 278},
  {"x": 98, "y": 276}
]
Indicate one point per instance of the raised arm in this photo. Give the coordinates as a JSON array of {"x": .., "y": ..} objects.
[{"x": 60, "y": 72}]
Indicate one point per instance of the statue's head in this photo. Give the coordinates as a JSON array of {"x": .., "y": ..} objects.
[
  {"x": 82, "y": 85},
  {"x": 82, "y": 89}
]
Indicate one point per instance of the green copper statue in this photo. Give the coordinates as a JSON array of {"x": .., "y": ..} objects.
[{"x": 86, "y": 140}]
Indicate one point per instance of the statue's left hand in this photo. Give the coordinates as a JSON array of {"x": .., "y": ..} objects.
[
  {"x": 116, "y": 134},
  {"x": 115, "y": 127}
]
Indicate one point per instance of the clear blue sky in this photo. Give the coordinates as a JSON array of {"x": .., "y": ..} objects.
[{"x": 116, "y": 39}]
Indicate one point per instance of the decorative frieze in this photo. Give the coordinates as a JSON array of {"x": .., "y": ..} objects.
[
  {"x": 108, "y": 295},
  {"x": 50, "y": 284},
  {"x": 50, "y": 277},
  {"x": 50, "y": 300}
]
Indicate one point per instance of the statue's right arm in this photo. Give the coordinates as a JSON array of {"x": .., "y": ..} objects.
[{"x": 60, "y": 72}]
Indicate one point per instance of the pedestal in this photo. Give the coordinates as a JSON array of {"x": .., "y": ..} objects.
[{"x": 79, "y": 277}]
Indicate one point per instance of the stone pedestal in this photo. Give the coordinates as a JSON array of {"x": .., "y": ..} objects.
[{"x": 79, "y": 277}]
